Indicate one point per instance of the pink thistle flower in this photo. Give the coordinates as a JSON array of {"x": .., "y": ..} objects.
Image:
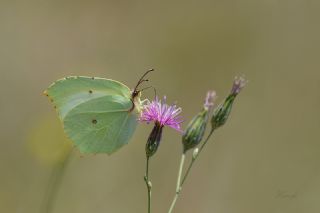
[{"x": 162, "y": 114}]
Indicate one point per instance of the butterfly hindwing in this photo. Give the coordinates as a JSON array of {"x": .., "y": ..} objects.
[{"x": 101, "y": 125}]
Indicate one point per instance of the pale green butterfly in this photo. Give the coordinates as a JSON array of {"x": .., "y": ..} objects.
[{"x": 99, "y": 115}]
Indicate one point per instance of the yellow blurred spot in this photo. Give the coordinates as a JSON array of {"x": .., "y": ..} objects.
[{"x": 47, "y": 141}]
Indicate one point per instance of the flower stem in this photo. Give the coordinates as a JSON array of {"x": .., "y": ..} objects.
[
  {"x": 179, "y": 184},
  {"x": 195, "y": 158},
  {"x": 54, "y": 185},
  {"x": 178, "y": 187},
  {"x": 148, "y": 184}
]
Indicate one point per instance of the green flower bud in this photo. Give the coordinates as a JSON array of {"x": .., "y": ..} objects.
[
  {"x": 154, "y": 139},
  {"x": 195, "y": 131},
  {"x": 196, "y": 128},
  {"x": 222, "y": 112}
]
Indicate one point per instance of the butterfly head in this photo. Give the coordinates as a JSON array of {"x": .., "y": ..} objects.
[{"x": 136, "y": 93}]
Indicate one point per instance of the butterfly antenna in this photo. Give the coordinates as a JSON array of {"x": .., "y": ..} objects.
[
  {"x": 155, "y": 92},
  {"x": 141, "y": 80}
]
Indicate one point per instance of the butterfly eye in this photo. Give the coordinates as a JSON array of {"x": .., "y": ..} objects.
[{"x": 135, "y": 93}]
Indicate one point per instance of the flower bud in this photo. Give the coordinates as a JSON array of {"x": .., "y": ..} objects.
[
  {"x": 196, "y": 128},
  {"x": 238, "y": 84},
  {"x": 222, "y": 112},
  {"x": 154, "y": 140},
  {"x": 195, "y": 153}
]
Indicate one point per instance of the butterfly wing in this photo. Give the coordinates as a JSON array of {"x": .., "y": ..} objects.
[{"x": 95, "y": 112}]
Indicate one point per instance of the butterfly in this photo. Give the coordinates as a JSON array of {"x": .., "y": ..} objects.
[{"x": 99, "y": 115}]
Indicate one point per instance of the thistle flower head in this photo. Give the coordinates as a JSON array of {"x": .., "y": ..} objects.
[
  {"x": 159, "y": 112},
  {"x": 238, "y": 84},
  {"x": 162, "y": 115}
]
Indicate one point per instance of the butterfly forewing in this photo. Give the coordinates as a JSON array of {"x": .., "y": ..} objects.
[
  {"x": 95, "y": 112},
  {"x": 69, "y": 92}
]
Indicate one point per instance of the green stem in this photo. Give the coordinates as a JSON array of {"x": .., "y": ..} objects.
[
  {"x": 148, "y": 184},
  {"x": 54, "y": 185},
  {"x": 195, "y": 158},
  {"x": 179, "y": 184},
  {"x": 178, "y": 187}
]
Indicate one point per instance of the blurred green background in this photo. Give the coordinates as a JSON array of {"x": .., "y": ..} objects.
[{"x": 266, "y": 158}]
